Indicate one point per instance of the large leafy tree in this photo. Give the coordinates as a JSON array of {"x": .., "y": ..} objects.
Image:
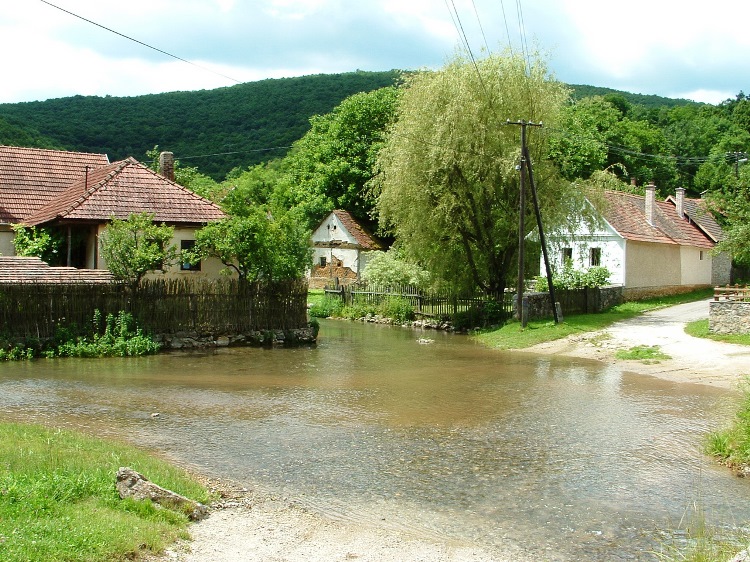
[
  {"x": 328, "y": 168},
  {"x": 257, "y": 246},
  {"x": 134, "y": 246},
  {"x": 447, "y": 179}
]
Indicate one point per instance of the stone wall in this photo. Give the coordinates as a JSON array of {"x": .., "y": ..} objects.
[
  {"x": 640, "y": 293},
  {"x": 195, "y": 340},
  {"x": 540, "y": 306},
  {"x": 729, "y": 317}
]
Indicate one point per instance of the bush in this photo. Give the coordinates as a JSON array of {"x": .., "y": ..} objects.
[
  {"x": 119, "y": 336},
  {"x": 489, "y": 313},
  {"x": 327, "y": 306},
  {"x": 570, "y": 278},
  {"x": 397, "y": 308}
]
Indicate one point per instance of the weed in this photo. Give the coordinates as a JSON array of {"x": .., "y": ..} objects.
[{"x": 645, "y": 353}]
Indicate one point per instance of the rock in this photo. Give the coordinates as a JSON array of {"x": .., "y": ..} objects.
[{"x": 131, "y": 484}]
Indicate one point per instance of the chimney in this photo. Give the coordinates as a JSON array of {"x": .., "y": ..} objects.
[
  {"x": 166, "y": 165},
  {"x": 680, "y": 199},
  {"x": 633, "y": 181},
  {"x": 650, "y": 193}
]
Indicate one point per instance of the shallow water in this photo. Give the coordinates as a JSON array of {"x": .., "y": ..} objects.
[{"x": 571, "y": 460}]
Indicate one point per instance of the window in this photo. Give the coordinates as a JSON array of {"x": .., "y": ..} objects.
[
  {"x": 701, "y": 256},
  {"x": 322, "y": 261},
  {"x": 595, "y": 257},
  {"x": 187, "y": 246},
  {"x": 566, "y": 254}
]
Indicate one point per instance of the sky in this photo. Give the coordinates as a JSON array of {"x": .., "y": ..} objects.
[{"x": 689, "y": 49}]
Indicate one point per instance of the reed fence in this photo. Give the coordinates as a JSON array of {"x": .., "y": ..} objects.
[{"x": 159, "y": 306}]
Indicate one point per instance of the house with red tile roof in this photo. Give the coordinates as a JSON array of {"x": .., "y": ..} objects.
[
  {"x": 649, "y": 246},
  {"x": 78, "y": 194},
  {"x": 341, "y": 249}
]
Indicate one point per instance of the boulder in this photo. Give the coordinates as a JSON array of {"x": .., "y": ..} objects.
[{"x": 131, "y": 484}]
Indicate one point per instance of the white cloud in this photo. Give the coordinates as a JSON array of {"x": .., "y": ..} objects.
[{"x": 659, "y": 47}]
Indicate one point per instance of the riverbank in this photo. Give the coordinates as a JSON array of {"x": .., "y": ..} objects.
[
  {"x": 245, "y": 526},
  {"x": 691, "y": 360}
]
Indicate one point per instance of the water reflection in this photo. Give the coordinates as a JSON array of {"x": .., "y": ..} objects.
[{"x": 572, "y": 460}]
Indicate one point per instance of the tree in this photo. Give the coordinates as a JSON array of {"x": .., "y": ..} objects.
[
  {"x": 328, "y": 168},
  {"x": 257, "y": 246},
  {"x": 389, "y": 269},
  {"x": 45, "y": 243},
  {"x": 447, "y": 175},
  {"x": 137, "y": 245}
]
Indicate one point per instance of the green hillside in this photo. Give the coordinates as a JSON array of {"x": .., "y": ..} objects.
[
  {"x": 214, "y": 130},
  {"x": 648, "y": 101}
]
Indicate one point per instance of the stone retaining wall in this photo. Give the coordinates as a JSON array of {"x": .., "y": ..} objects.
[
  {"x": 540, "y": 305},
  {"x": 195, "y": 340},
  {"x": 729, "y": 317}
]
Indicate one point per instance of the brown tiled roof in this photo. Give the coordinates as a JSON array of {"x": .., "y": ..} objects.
[
  {"x": 363, "y": 238},
  {"x": 626, "y": 213},
  {"x": 698, "y": 213},
  {"x": 15, "y": 269},
  {"x": 31, "y": 177},
  {"x": 124, "y": 188}
]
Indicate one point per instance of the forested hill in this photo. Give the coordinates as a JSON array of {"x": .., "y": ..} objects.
[
  {"x": 213, "y": 130},
  {"x": 647, "y": 101},
  {"x": 237, "y": 126}
]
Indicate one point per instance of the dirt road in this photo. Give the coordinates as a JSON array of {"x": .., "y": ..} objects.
[{"x": 693, "y": 360}]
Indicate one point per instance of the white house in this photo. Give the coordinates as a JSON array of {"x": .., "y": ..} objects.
[
  {"x": 649, "y": 246},
  {"x": 341, "y": 249}
]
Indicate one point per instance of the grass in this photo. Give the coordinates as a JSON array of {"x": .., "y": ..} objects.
[
  {"x": 58, "y": 500},
  {"x": 645, "y": 353},
  {"x": 731, "y": 446},
  {"x": 513, "y": 336},
  {"x": 699, "y": 329},
  {"x": 315, "y": 297},
  {"x": 700, "y": 542}
]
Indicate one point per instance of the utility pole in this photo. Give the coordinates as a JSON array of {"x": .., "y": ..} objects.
[
  {"x": 521, "y": 216},
  {"x": 524, "y": 168}
]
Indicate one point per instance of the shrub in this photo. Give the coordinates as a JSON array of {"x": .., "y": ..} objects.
[
  {"x": 120, "y": 337},
  {"x": 489, "y": 313},
  {"x": 397, "y": 308},
  {"x": 571, "y": 278},
  {"x": 327, "y": 306}
]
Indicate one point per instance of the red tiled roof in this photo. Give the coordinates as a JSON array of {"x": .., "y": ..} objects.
[
  {"x": 15, "y": 269},
  {"x": 31, "y": 177},
  {"x": 124, "y": 188},
  {"x": 626, "y": 213},
  {"x": 363, "y": 238}
]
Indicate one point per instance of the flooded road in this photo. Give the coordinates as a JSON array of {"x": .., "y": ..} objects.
[{"x": 571, "y": 460}]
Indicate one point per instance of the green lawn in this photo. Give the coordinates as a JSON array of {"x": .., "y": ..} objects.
[
  {"x": 699, "y": 329},
  {"x": 58, "y": 500},
  {"x": 513, "y": 336}
]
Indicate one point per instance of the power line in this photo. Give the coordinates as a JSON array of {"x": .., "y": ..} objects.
[
  {"x": 235, "y": 152},
  {"x": 142, "y": 43},
  {"x": 481, "y": 28}
]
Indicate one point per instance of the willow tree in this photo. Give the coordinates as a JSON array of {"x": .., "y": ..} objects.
[{"x": 448, "y": 179}]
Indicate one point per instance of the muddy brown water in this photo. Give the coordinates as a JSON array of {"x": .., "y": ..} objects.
[{"x": 568, "y": 459}]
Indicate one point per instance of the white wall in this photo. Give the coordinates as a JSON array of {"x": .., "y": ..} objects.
[{"x": 695, "y": 266}]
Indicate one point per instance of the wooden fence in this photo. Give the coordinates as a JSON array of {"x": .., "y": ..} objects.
[
  {"x": 432, "y": 304},
  {"x": 445, "y": 305},
  {"x": 732, "y": 293},
  {"x": 159, "y": 306}
]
